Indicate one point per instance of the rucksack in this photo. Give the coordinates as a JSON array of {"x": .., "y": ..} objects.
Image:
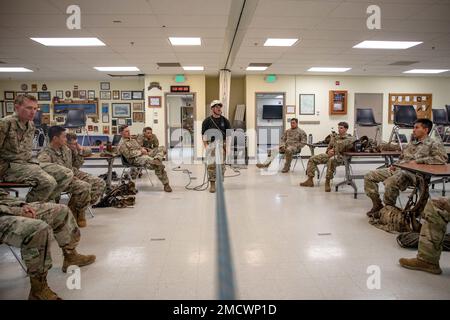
[
  {"x": 411, "y": 240},
  {"x": 391, "y": 219},
  {"x": 121, "y": 196}
]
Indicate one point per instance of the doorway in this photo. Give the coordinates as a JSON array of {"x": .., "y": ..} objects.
[
  {"x": 179, "y": 127},
  {"x": 270, "y": 115},
  {"x": 375, "y": 102}
]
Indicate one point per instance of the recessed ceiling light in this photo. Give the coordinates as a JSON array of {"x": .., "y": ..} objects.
[
  {"x": 184, "y": 41},
  {"x": 69, "y": 42},
  {"x": 275, "y": 42},
  {"x": 116, "y": 69},
  {"x": 15, "y": 69},
  {"x": 322, "y": 69},
  {"x": 386, "y": 44},
  {"x": 194, "y": 68},
  {"x": 249, "y": 68},
  {"x": 426, "y": 71}
]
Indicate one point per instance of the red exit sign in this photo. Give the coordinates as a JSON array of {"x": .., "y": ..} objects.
[{"x": 179, "y": 88}]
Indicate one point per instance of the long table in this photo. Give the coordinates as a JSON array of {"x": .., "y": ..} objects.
[
  {"x": 110, "y": 161},
  {"x": 348, "y": 161}
]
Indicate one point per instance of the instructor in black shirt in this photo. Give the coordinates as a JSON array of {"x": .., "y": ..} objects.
[{"x": 214, "y": 130}]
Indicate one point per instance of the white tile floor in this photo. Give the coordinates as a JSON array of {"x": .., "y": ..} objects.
[{"x": 165, "y": 247}]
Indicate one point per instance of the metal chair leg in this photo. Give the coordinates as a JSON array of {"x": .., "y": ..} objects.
[
  {"x": 90, "y": 212},
  {"x": 19, "y": 259},
  {"x": 148, "y": 176}
]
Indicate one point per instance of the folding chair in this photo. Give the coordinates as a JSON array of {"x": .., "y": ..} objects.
[
  {"x": 440, "y": 123},
  {"x": 18, "y": 258},
  {"x": 365, "y": 118},
  {"x": 128, "y": 166},
  {"x": 40, "y": 139},
  {"x": 404, "y": 118},
  {"x": 76, "y": 119}
]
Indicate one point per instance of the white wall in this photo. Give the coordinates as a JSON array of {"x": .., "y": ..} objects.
[
  {"x": 439, "y": 87},
  {"x": 53, "y": 86},
  {"x": 197, "y": 86}
]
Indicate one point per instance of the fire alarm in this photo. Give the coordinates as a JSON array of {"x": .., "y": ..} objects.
[{"x": 338, "y": 83}]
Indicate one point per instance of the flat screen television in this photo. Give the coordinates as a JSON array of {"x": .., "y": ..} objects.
[{"x": 272, "y": 112}]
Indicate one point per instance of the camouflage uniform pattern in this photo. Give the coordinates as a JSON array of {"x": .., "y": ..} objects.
[
  {"x": 436, "y": 216},
  {"x": 131, "y": 150},
  {"x": 428, "y": 151},
  {"x": 211, "y": 160},
  {"x": 339, "y": 144},
  {"x": 33, "y": 235},
  {"x": 292, "y": 142},
  {"x": 79, "y": 190},
  {"x": 97, "y": 184},
  {"x": 16, "y": 143},
  {"x": 152, "y": 145}
]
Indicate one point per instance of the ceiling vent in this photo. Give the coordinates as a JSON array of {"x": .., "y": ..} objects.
[
  {"x": 259, "y": 64},
  {"x": 168, "y": 64},
  {"x": 402, "y": 63}
]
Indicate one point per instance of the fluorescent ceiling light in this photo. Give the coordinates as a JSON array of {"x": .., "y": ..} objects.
[
  {"x": 426, "y": 71},
  {"x": 116, "y": 69},
  {"x": 69, "y": 42},
  {"x": 321, "y": 69},
  {"x": 183, "y": 41},
  {"x": 194, "y": 68},
  {"x": 386, "y": 44},
  {"x": 274, "y": 42},
  {"x": 256, "y": 68},
  {"x": 14, "y": 69}
]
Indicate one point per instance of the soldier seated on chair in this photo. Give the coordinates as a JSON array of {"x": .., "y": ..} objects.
[
  {"x": 436, "y": 216},
  {"x": 422, "y": 149},
  {"x": 16, "y": 163},
  {"x": 139, "y": 156},
  {"x": 80, "y": 191},
  {"x": 149, "y": 141},
  {"x": 98, "y": 185},
  {"x": 29, "y": 226},
  {"x": 292, "y": 142},
  {"x": 338, "y": 144}
]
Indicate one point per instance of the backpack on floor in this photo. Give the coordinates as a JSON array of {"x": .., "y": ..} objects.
[
  {"x": 391, "y": 219},
  {"x": 121, "y": 196},
  {"x": 411, "y": 240}
]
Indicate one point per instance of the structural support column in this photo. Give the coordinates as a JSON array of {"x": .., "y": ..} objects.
[{"x": 224, "y": 90}]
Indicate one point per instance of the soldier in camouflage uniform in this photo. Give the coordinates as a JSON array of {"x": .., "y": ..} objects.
[
  {"x": 339, "y": 143},
  {"x": 150, "y": 142},
  {"x": 97, "y": 184},
  {"x": 29, "y": 227},
  {"x": 16, "y": 163},
  {"x": 422, "y": 150},
  {"x": 139, "y": 156},
  {"x": 292, "y": 142},
  {"x": 80, "y": 191},
  {"x": 436, "y": 216}
]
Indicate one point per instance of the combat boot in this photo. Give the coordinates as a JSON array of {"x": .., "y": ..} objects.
[
  {"x": 40, "y": 290},
  {"x": 376, "y": 207},
  {"x": 417, "y": 264},
  {"x": 262, "y": 165},
  {"x": 308, "y": 183},
  {"x": 327, "y": 185},
  {"x": 72, "y": 257},
  {"x": 212, "y": 187},
  {"x": 81, "y": 220},
  {"x": 167, "y": 188}
]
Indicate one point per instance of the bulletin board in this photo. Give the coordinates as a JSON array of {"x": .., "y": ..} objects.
[{"x": 422, "y": 103}]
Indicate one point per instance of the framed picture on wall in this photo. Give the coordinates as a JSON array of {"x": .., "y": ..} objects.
[
  {"x": 91, "y": 94},
  {"x": 9, "y": 95},
  {"x": 307, "y": 104},
  {"x": 83, "y": 94},
  {"x": 121, "y": 110},
  {"x": 126, "y": 95},
  {"x": 44, "y": 96},
  {"x": 59, "y": 94},
  {"x": 104, "y": 86},
  {"x": 45, "y": 108},
  {"x": 137, "y": 95},
  {"x": 105, "y": 95},
  {"x": 9, "y": 106},
  {"x": 105, "y": 117},
  {"x": 138, "y": 116},
  {"x": 154, "y": 102},
  {"x": 116, "y": 94},
  {"x": 121, "y": 121},
  {"x": 138, "y": 106}
]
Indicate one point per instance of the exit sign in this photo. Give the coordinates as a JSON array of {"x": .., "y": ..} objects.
[{"x": 179, "y": 88}]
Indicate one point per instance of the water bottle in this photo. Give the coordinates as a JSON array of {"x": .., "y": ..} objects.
[{"x": 310, "y": 138}]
